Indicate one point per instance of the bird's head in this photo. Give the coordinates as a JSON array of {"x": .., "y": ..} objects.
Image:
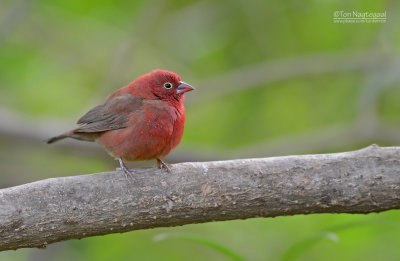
[{"x": 160, "y": 84}]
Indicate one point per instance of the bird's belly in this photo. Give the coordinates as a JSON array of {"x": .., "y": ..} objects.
[{"x": 144, "y": 140}]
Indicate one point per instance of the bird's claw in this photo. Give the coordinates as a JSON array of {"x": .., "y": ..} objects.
[
  {"x": 128, "y": 173},
  {"x": 162, "y": 165}
]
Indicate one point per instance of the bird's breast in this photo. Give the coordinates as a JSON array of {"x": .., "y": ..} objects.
[{"x": 152, "y": 132}]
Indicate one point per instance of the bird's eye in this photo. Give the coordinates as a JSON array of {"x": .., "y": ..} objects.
[{"x": 168, "y": 85}]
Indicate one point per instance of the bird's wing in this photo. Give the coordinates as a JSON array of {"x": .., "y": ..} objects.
[{"x": 114, "y": 114}]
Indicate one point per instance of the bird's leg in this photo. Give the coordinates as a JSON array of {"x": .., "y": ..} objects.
[
  {"x": 128, "y": 173},
  {"x": 162, "y": 165}
]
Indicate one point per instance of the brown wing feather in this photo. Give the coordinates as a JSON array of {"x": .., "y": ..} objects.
[{"x": 114, "y": 114}]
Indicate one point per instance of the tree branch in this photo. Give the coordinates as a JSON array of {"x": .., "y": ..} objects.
[{"x": 47, "y": 211}]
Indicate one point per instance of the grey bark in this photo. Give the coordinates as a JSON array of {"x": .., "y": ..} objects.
[{"x": 56, "y": 209}]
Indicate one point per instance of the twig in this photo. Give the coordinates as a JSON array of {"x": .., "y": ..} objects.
[{"x": 286, "y": 69}]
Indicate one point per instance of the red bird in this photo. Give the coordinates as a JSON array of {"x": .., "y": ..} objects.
[{"x": 141, "y": 121}]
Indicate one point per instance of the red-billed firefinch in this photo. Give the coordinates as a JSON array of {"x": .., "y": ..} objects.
[{"x": 141, "y": 121}]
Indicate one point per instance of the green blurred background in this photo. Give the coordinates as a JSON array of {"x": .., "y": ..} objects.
[{"x": 271, "y": 78}]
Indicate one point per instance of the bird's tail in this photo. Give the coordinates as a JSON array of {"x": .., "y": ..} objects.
[
  {"x": 91, "y": 136},
  {"x": 59, "y": 137}
]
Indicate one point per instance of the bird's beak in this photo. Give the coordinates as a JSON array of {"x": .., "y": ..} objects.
[{"x": 183, "y": 87}]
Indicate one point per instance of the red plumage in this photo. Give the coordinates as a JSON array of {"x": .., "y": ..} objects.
[{"x": 141, "y": 121}]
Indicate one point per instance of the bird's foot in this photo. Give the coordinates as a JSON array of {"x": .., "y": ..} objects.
[
  {"x": 162, "y": 165},
  {"x": 128, "y": 173}
]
